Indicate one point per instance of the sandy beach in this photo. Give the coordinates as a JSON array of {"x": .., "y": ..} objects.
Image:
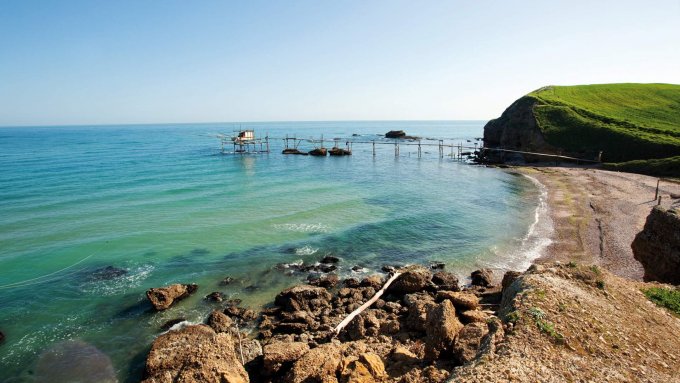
[{"x": 597, "y": 213}]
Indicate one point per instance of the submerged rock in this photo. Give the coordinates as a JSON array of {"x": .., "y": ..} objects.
[
  {"x": 330, "y": 259},
  {"x": 74, "y": 361},
  {"x": 2, "y": 336},
  {"x": 226, "y": 281},
  {"x": 163, "y": 297},
  {"x": 194, "y": 354},
  {"x": 107, "y": 273},
  {"x": 215, "y": 296}
]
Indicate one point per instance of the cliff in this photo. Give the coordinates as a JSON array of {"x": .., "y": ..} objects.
[
  {"x": 657, "y": 246},
  {"x": 626, "y": 122}
]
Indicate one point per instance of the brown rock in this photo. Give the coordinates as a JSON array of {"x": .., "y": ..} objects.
[
  {"x": 374, "y": 364},
  {"x": 462, "y": 300},
  {"x": 508, "y": 278},
  {"x": 168, "y": 324},
  {"x": 317, "y": 365},
  {"x": 326, "y": 281},
  {"x": 194, "y": 354},
  {"x": 482, "y": 277},
  {"x": 375, "y": 281},
  {"x": 163, "y": 297},
  {"x": 303, "y": 297},
  {"x": 215, "y": 296},
  {"x": 275, "y": 354},
  {"x": 351, "y": 282},
  {"x": 249, "y": 348},
  {"x": 471, "y": 316},
  {"x": 657, "y": 246},
  {"x": 445, "y": 281},
  {"x": 219, "y": 322},
  {"x": 441, "y": 330},
  {"x": 468, "y": 342},
  {"x": 414, "y": 279},
  {"x": 241, "y": 313},
  {"x": 418, "y": 306},
  {"x": 402, "y": 354}
]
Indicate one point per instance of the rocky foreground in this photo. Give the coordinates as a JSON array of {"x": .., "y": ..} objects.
[{"x": 557, "y": 323}]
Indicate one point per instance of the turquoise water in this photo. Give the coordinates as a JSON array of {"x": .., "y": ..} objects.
[{"x": 163, "y": 203}]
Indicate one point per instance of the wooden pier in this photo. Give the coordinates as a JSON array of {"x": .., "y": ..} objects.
[{"x": 245, "y": 142}]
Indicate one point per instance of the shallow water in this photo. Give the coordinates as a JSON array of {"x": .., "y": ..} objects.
[{"x": 162, "y": 203}]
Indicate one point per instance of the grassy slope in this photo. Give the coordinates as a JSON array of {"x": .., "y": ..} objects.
[{"x": 626, "y": 121}]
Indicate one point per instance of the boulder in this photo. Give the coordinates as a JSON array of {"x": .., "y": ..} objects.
[
  {"x": 657, "y": 246},
  {"x": 508, "y": 278},
  {"x": 249, "y": 348},
  {"x": 278, "y": 353},
  {"x": 482, "y": 277},
  {"x": 215, "y": 296},
  {"x": 326, "y": 281},
  {"x": 317, "y": 365},
  {"x": 351, "y": 282},
  {"x": 403, "y": 355},
  {"x": 330, "y": 259},
  {"x": 435, "y": 265},
  {"x": 163, "y": 297},
  {"x": 418, "y": 306},
  {"x": 303, "y": 297},
  {"x": 219, "y": 321},
  {"x": 461, "y": 300},
  {"x": 2, "y": 336},
  {"x": 241, "y": 313},
  {"x": 395, "y": 134},
  {"x": 194, "y": 354},
  {"x": 412, "y": 280},
  {"x": 368, "y": 368},
  {"x": 471, "y": 316},
  {"x": 468, "y": 341},
  {"x": 445, "y": 281},
  {"x": 374, "y": 281},
  {"x": 441, "y": 330}
]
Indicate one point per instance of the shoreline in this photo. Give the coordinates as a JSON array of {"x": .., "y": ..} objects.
[{"x": 595, "y": 214}]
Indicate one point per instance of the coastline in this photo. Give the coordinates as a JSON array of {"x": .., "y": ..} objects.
[{"x": 595, "y": 214}]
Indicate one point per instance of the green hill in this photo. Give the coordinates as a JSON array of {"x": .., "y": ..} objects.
[{"x": 627, "y": 122}]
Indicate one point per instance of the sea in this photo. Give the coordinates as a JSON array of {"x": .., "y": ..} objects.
[{"x": 93, "y": 216}]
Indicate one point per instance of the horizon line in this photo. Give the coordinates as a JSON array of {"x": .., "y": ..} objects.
[{"x": 225, "y": 122}]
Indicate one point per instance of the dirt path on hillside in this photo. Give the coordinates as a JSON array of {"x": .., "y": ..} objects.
[{"x": 597, "y": 213}]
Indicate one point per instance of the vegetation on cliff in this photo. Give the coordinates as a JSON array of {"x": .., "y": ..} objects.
[{"x": 627, "y": 122}]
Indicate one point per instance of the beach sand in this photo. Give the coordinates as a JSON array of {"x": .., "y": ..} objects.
[{"x": 597, "y": 213}]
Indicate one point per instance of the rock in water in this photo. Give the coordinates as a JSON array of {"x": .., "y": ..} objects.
[
  {"x": 2, "y": 336},
  {"x": 215, "y": 296},
  {"x": 107, "y": 273},
  {"x": 482, "y": 277},
  {"x": 395, "y": 134},
  {"x": 194, "y": 354},
  {"x": 168, "y": 324},
  {"x": 657, "y": 246},
  {"x": 163, "y": 297},
  {"x": 74, "y": 361}
]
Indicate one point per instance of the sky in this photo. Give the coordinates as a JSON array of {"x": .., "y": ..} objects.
[{"x": 68, "y": 62}]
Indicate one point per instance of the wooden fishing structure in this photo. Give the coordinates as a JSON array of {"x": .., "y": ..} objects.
[{"x": 245, "y": 141}]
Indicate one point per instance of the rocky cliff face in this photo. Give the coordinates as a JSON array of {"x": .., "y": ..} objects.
[
  {"x": 657, "y": 246},
  {"x": 516, "y": 129}
]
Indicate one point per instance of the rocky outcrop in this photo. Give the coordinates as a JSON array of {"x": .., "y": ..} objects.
[
  {"x": 276, "y": 354},
  {"x": 657, "y": 246},
  {"x": 482, "y": 277},
  {"x": 412, "y": 280},
  {"x": 194, "y": 354},
  {"x": 303, "y": 297},
  {"x": 515, "y": 129},
  {"x": 163, "y": 297}
]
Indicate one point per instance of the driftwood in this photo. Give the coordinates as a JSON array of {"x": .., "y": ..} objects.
[
  {"x": 240, "y": 346},
  {"x": 366, "y": 305}
]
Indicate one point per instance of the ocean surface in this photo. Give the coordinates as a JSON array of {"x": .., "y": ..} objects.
[{"x": 164, "y": 204}]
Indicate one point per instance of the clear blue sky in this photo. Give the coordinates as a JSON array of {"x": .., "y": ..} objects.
[{"x": 139, "y": 61}]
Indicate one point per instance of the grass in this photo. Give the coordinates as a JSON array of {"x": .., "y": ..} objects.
[
  {"x": 664, "y": 167},
  {"x": 627, "y": 122},
  {"x": 668, "y": 298}
]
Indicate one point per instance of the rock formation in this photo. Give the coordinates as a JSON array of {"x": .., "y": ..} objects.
[
  {"x": 657, "y": 246},
  {"x": 163, "y": 297},
  {"x": 194, "y": 354}
]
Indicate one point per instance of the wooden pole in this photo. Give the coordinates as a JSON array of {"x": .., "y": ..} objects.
[
  {"x": 418, "y": 149},
  {"x": 373, "y": 148},
  {"x": 656, "y": 195},
  {"x": 659, "y": 201},
  {"x": 366, "y": 305}
]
